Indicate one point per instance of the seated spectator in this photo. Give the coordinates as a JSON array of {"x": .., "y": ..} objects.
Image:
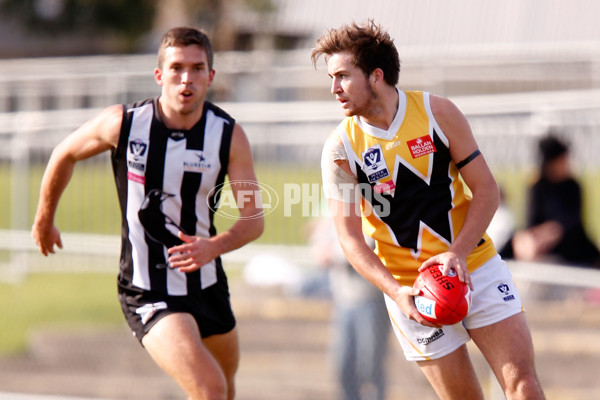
[{"x": 554, "y": 229}]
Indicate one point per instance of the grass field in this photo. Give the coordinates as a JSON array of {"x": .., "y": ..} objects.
[{"x": 55, "y": 300}]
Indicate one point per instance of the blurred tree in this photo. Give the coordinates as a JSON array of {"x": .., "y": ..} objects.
[
  {"x": 124, "y": 19},
  {"x": 127, "y": 21},
  {"x": 217, "y": 17}
]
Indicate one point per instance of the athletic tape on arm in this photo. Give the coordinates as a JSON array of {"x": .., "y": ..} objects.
[{"x": 337, "y": 183}]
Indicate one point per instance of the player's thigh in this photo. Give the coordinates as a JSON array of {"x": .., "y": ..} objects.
[
  {"x": 225, "y": 348},
  {"x": 175, "y": 344},
  {"x": 453, "y": 376},
  {"x": 508, "y": 347}
]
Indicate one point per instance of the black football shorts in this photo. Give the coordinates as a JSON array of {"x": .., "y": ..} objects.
[{"x": 210, "y": 307}]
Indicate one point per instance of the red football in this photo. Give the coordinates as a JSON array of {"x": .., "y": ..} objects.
[{"x": 443, "y": 300}]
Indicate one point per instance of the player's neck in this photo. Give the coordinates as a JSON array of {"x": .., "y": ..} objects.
[
  {"x": 175, "y": 119},
  {"x": 382, "y": 112}
]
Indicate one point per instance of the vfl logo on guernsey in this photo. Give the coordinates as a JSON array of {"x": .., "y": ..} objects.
[
  {"x": 421, "y": 146},
  {"x": 375, "y": 166},
  {"x": 195, "y": 161},
  {"x": 137, "y": 151},
  {"x": 136, "y": 160}
]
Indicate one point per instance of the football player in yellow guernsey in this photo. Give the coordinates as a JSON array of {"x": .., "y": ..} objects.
[{"x": 398, "y": 168}]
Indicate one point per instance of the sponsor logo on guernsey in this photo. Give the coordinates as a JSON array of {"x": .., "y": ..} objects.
[
  {"x": 421, "y": 146},
  {"x": 375, "y": 166},
  {"x": 195, "y": 161},
  {"x": 505, "y": 292},
  {"x": 136, "y": 178},
  {"x": 386, "y": 187},
  {"x": 436, "y": 335},
  {"x": 177, "y": 135}
]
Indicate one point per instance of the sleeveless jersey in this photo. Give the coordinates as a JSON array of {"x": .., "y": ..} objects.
[
  {"x": 165, "y": 181},
  {"x": 413, "y": 201}
]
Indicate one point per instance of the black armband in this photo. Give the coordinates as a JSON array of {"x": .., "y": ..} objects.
[{"x": 468, "y": 159}]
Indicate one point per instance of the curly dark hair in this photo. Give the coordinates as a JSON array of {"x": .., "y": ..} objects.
[{"x": 371, "y": 46}]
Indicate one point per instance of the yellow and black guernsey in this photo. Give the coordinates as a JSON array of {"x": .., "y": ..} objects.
[{"x": 413, "y": 200}]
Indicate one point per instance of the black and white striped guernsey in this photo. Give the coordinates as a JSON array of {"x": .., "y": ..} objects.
[{"x": 164, "y": 180}]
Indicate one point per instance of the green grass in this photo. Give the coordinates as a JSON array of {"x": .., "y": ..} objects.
[{"x": 55, "y": 300}]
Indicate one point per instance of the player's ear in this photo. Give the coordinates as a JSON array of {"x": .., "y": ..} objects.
[
  {"x": 211, "y": 77},
  {"x": 377, "y": 76},
  {"x": 158, "y": 76}
]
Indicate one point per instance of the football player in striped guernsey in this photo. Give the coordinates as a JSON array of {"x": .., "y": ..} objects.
[{"x": 170, "y": 156}]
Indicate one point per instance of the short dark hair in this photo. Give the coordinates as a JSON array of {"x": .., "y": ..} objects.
[
  {"x": 371, "y": 47},
  {"x": 182, "y": 36},
  {"x": 552, "y": 147}
]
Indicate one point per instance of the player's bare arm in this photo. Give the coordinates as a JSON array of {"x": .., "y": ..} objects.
[
  {"x": 478, "y": 178},
  {"x": 197, "y": 251},
  {"x": 348, "y": 224},
  {"x": 366, "y": 263},
  {"x": 97, "y": 135}
]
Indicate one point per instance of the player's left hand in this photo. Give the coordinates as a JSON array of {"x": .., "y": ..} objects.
[
  {"x": 450, "y": 260},
  {"x": 194, "y": 253}
]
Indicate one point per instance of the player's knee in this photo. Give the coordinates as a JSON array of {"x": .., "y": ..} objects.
[
  {"x": 524, "y": 387},
  {"x": 209, "y": 392},
  {"x": 214, "y": 388},
  {"x": 218, "y": 390}
]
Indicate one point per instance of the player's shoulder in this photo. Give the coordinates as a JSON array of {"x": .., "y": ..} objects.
[
  {"x": 153, "y": 101},
  {"x": 334, "y": 152},
  {"x": 114, "y": 110},
  {"x": 110, "y": 117},
  {"x": 443, "y": 107},
  {"x": 333, "y": 137},
  {"x": 333, "y": 144},
  {"x": 218, "y": 111}
]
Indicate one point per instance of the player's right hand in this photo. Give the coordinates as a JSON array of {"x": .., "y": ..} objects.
[
  {"x": 406, "y": 301},
  {"x": 46, "y": 238}
]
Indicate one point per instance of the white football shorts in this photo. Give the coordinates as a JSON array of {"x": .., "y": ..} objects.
[{"x": 493, "y": 299}]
